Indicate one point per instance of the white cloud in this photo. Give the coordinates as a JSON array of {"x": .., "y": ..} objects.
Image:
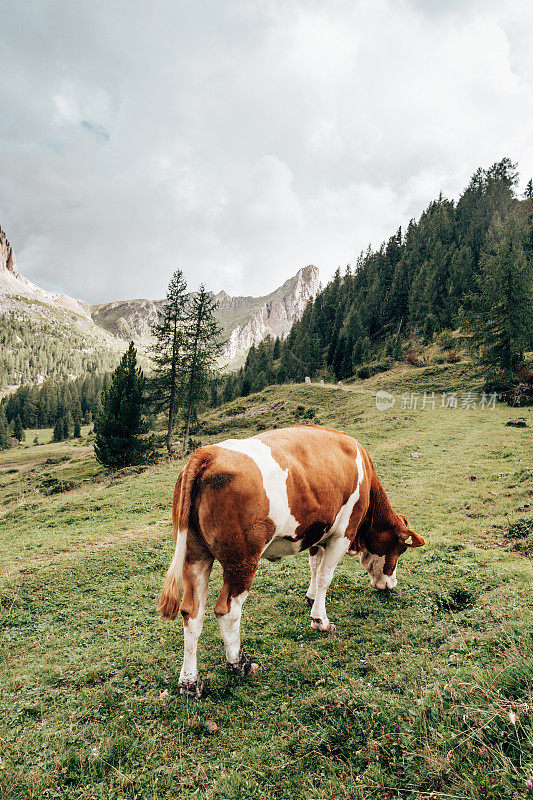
[{"x": 243, "y": 140}]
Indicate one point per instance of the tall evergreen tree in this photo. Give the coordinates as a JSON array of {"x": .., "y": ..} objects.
[
  {"x": 201, "y": 348},
  {"x": 18, "y": 430},
  {"x": 67, "y": 425},
  {"x": 528, "y": 194},
  {"x": 120, "y": 427},
  {"x": 167, "y": 352},
  {"x": 58, "y": 434},
  {"x": 501, "y": 321},
  {"x": 4, "y": 430}
]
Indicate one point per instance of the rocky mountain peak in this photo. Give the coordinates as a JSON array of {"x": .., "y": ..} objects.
[
  {"x": 8, "y": 261},
  {"x": 244, "y": 320}
]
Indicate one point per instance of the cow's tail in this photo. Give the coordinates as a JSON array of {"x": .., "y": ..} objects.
[{"x": 170, "y": 598}]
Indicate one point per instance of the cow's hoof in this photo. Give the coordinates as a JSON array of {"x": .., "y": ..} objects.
[
  {"x": 194, "y": 689},
  {"x": 243, "y": 666},
  {"x": 318, "y": 625},
  {"x": 309, "y": 601}
]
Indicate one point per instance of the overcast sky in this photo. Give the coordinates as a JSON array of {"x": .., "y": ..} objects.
[{"x": 243, "y": 140}]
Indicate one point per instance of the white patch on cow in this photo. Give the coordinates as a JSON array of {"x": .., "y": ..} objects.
[
  {"x": 314, "y": 563},
  {"x": 230, "y": 628},
  {"x": 275, "y": 485},
  {"x": 374, "y": 566},
  {"x": 334, "y": 549},
  {"x": 342, "y": 520},
  {"x": 193, "y": 627}
]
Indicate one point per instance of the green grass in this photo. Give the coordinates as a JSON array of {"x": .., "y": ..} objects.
[{"x": 411, "y": 698}]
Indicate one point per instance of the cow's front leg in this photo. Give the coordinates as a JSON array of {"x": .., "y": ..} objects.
[
  {"x": 196, "y": 579},
  {"x": 333, "y": 552},
  {"x": 315, "y": 557},
  {"x": 228, "y": 610}
]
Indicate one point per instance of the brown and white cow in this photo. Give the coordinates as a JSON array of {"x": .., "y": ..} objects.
[{"x": 269, "y": 496}]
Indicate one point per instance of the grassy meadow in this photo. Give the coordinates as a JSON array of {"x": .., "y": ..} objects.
[{"x": 422, "y": 693}]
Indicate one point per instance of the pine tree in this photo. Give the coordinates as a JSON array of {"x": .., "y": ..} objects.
[
  {"x": 120, "y": 426},
  {"x": 67, "y": 425},
  {"x": 200, "y": 350},
  {"x": 18, "y": 430},
  {"x": 528, "y": 194},
  {"x": 4, "y": 429},
  {"x": 167, "y": 352},
  {"x": 77, "y": 430},
  {"x": 501, "y": 320},
  {"x": 58, "y": 435}
]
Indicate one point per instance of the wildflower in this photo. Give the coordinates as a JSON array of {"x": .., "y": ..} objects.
[
  {"x": 529, "y": 783},
  {"x": 512, "y": 717}
]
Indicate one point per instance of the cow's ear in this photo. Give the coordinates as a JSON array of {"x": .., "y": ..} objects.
[{"x": 416, "y": 539}]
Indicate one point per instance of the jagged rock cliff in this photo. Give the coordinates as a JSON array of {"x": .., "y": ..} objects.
[
  {"x": 244, "y": 320},
  {"x": 7, "y": 256},
  {"x": 13, "y": 285},
  {"x": 272, "y": 315}
]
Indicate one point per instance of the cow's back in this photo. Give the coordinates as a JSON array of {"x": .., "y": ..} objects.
[{"x": 281, "y": 489}]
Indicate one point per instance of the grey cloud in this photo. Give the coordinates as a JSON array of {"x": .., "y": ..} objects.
[{"x": 243, "y": 140}]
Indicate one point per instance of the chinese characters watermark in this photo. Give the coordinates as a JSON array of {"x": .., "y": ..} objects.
[{"x": 414, "y": 401}]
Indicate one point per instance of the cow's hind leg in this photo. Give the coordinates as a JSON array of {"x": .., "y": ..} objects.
[
  {"x": 228, "y": 610},
  {"x": 333, "y": 552},
  {"x": 315, "y": 557},
  {"x": 196, "y": 578}
]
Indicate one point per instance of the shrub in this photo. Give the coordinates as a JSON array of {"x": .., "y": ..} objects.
[{"x": 446, "y": 340}]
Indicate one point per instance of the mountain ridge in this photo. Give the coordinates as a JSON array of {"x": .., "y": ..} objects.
[
  {"x": 245, "y": 320},
  {"x": 106, "y": 327}
]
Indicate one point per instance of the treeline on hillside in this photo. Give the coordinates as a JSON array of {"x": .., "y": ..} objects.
[
  {"x": 427, "y": 280},
  {"x": 35, "y": 350},
  {"x": 78, "y": 400}
]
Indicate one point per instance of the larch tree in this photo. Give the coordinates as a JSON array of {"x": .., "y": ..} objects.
[
  {"x": 167, "y": 353},
  {"x": 202, "y": 346}
]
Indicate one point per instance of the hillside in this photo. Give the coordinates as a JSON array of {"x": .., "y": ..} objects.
[
  {"x": 462, "y": 267},
  {"x": 426, "y": 691}
]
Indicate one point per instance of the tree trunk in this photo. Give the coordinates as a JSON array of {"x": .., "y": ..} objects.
[
  {"x": 172, "y": 389},
  {"x": 191, "y": 381}
]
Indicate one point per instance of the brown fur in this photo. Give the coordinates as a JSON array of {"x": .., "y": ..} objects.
[{"x": 221, "y": 506}]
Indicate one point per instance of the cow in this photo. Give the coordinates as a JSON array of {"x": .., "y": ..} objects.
[{"x": 269, "y": 496}]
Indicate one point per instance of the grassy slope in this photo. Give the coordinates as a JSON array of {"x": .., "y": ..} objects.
[{"x": 411, "y": 696}]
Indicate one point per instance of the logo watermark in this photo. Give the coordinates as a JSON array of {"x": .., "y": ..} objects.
[{"x": 415, "y": 401}]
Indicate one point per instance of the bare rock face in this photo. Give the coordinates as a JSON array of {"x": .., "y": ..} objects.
[
  {"x": 8, "y": 262},
  {"x": 127, "y": 319},
  {"x": 14, "y": 285},
  {"x": 272, "y": 315},
  {"x": 245, "y": 321}
]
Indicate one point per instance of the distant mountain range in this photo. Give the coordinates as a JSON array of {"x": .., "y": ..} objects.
[{"x": 245, "y": 321}]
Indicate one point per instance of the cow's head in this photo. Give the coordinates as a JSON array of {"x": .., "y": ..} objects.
[{"x": 379, "y": 550}]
